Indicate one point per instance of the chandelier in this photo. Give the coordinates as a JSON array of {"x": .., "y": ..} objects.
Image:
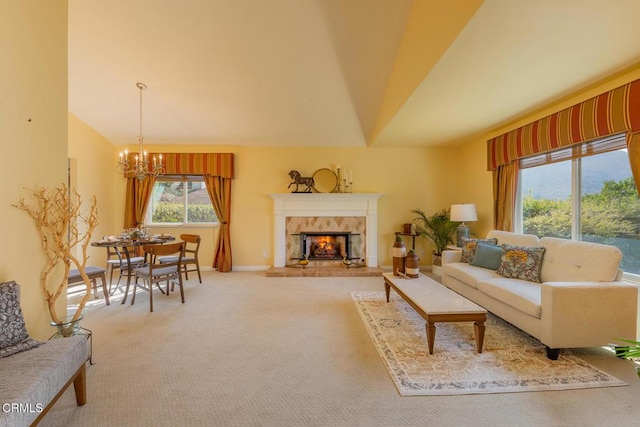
[{"x": 142, "y": 166}]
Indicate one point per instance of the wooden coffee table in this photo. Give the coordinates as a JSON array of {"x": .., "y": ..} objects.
[{"x": 437, "y": 303}]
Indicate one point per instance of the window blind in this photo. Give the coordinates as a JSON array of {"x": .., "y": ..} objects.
[{"x": 590, "y": 148}]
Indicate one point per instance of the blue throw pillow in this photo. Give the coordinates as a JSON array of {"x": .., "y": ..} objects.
[
  {"x": 487, "y": 256},
  {"x": 469, "y": 247}
]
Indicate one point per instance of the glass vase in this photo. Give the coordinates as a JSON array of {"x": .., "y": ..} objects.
[{"x": 68, "y": 327}]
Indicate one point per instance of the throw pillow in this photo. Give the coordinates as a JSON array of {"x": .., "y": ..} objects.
[
  {"x": 469, "y": 247},
  {"x": 521, "y": 262},
  {"x": 13, "y": 331},
  {"x": 487, "y": 256}
]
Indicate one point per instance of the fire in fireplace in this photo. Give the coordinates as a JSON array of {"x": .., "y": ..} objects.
[{"x": 325, "y": 245}]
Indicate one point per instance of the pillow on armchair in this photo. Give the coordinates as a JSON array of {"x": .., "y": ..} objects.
[{"x": 13, "y": 331}]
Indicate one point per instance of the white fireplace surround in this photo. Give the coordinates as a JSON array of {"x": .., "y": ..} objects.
[{"x": 330, "y": 205}]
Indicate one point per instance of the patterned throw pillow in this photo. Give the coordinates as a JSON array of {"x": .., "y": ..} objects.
[
  {"x": 13, "y": 331},
  {"x": 521, "y": 262},
  {"x": 469, "y": 247}
]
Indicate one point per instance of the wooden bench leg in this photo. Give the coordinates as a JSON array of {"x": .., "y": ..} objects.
[{"x": 80, "y": 385}]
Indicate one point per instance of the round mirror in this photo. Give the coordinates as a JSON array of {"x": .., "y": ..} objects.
[{"x": 325, "y": 181}]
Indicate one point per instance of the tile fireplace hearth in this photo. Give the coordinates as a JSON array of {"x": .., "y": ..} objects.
[{"x": 353, "y": 216}]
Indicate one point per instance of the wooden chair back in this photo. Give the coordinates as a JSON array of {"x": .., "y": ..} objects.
[{"x": 193, "y": 245}]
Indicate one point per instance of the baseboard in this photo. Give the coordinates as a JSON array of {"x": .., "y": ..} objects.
[{"x": 251, "y": 267}]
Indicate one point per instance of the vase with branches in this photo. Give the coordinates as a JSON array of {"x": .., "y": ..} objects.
[
  {"x": 437, "y": 228},
  {"x": 62, "y": 225}
]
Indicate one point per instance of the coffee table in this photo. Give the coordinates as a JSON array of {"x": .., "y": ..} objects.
[{"x": 437, "y": 303}]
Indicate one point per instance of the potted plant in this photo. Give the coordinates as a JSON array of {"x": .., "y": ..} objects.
[
  {"x": 631, "y": 351},
  {"x": 437, "y": 228},
  {"x": 61, "y": 225}
]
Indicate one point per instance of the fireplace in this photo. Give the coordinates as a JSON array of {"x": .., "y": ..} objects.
[
  {"x": 325, "y": 245},
  {"x": 351, "y": 214}
]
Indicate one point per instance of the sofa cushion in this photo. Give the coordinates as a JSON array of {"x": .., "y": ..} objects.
[
  {"x": 487, "y": 256},
  {"x": 469, "y": 247},
  {"x": 467, "y": 273},
  {"x": 522, "y": 295},
  {"x": 521, "y": 262},
  {"x": 571, "y": 260},
  {"x": 514, "y": 239},
  {"x": 13, "y": 331}
]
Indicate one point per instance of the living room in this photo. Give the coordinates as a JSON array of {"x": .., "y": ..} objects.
[{"x": 41, "y": 135}]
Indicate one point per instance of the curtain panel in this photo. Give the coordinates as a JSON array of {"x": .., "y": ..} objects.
[
  {"x": 136, "y": 200},
  {"x": 219, "y": 190},
  {"x": 505, "y": 186}
]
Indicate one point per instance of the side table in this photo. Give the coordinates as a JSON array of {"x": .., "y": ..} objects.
[{"x": 412, "y": 235}]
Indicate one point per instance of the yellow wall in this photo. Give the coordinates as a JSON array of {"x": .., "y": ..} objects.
[
  {"x": 427, "y": 178},
  {"x": 92, "y": 174},
  {"x": 409, "y": 178},
  {"x": 33, "y": 137}
]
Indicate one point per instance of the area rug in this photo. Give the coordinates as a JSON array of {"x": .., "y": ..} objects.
[{"x": 511, "y": 361}]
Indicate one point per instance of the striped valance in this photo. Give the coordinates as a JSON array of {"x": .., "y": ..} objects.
[
  {"x": 215, "y": 164},
  {"x": 612, "y": 112}
]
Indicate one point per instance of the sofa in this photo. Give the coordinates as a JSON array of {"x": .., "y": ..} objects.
[
  {"x": 33, "y": 374},
  {"x": 576, "y": 300}
]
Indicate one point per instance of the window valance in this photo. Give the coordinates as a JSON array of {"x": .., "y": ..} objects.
[
  {"x": 612, "y": 112},
  {"x": 214, "y": 164}
]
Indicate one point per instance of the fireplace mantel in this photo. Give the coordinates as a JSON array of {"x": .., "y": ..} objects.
[{"x": 330, "y": 205}]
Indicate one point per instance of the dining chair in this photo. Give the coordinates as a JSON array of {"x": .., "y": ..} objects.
[
  {"x": 189, "y": 256},
  {"x": 94, "y": 273},
  {"x": 116, "y": 259},
  {"x": 156, "y": 272}
]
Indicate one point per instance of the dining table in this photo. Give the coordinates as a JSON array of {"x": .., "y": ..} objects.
[{"x": 125, "y": 244}]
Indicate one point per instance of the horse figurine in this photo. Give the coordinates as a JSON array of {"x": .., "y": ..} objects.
[{"x": 300, "y": 180}]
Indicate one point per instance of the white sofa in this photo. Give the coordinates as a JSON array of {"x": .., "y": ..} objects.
[{"x": 580, "y": 302}]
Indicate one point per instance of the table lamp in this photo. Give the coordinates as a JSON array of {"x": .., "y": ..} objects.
[{"x": 461, "y": 213}]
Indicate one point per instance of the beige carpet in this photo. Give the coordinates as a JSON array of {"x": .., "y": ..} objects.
[
  {"x": 511, "y": 361},
  {"x": 248, "y": 350}
]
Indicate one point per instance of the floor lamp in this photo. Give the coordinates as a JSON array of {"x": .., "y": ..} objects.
[{"x": 462, "y": 213}]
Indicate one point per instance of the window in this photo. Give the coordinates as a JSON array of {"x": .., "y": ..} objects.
[
  {"x": 585, "y": 192},
  {"x": 180, "y": 200}
]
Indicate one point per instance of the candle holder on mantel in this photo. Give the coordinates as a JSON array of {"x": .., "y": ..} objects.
[{"x": 344, "y": 185}]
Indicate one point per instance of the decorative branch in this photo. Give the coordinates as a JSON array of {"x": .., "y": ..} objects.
[{"x": 57, "y": 215}]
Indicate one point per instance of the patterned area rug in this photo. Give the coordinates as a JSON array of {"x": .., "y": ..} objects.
[{"x": 511, "y": 361}]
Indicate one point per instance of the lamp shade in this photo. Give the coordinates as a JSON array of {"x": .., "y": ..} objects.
[{"x": 463, "y": 212}]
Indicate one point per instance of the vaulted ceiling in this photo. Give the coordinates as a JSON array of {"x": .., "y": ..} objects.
[{"x": 335, "y": 72}]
